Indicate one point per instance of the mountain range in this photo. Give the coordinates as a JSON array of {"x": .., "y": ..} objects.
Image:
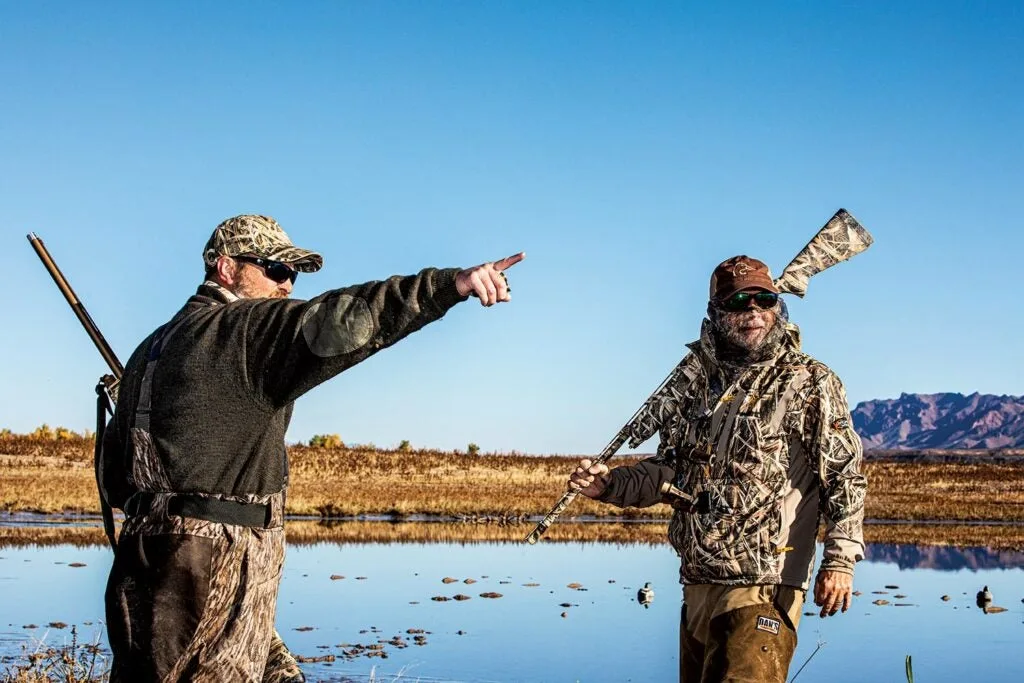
[{"x": 941, "y": 421}]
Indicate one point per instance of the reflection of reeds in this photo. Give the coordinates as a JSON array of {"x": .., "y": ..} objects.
[
  {"x": 302, "y": 532},
  {"x": 54, "y": 475}
]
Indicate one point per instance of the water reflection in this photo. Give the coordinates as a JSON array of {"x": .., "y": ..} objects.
[
  {"x": 83, "y": 532},
  {"x": 342, "y": 598},
  {"x": 944, "y": 558}
]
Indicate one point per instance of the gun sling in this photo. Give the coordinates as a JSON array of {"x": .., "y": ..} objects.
[{"x": 199, "y": 507}]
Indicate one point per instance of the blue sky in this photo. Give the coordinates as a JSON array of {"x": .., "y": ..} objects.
[{"x": 626, "y": 147}]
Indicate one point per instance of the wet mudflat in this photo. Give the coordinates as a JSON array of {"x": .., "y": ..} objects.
[{"x": 559, "y": 611}]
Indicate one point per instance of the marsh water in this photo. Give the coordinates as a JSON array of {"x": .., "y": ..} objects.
[{"x": 355, "y": 598}]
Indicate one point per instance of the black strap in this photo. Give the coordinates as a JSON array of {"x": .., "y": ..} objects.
[
  {"x": 210, "y": 509},
  {"x": 103, "y": 406}
]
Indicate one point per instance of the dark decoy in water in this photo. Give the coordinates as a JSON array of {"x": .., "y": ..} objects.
[
  {"x": 645, "y": 596},
  {"x": 984, "y": 598}
]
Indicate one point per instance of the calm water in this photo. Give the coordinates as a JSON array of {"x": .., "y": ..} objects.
[{"x": 605, "y": 636}]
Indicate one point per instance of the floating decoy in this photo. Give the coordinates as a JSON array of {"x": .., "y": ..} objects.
[
  {"x": 645, "y": 596},
  {"x": 984, "y": 598}
]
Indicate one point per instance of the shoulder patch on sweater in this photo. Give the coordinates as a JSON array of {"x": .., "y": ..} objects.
[{"x": 338, "y": 325}]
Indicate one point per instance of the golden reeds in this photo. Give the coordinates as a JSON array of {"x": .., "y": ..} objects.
[{"x": 50, "y": 474}]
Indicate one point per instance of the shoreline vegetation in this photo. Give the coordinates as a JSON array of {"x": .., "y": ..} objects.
[
  {"x": 308, "y": 533},
  {"x": 50, "y": 471}
]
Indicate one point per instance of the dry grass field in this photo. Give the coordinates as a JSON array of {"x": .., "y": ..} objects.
[{"x": 52, "y": 471}]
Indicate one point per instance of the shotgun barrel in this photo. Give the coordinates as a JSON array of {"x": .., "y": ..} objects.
[{"x": 76, "y": 305}]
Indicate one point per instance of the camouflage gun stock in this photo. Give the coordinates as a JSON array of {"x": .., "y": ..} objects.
[{"x": 841, "y": 238}]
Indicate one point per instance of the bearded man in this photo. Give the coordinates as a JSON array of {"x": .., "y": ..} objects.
[
  {"x": 195, "y": 452},
  {"x": 762, "y": 433}
]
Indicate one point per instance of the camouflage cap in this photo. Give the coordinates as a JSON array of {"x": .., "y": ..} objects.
[
  {"x": 261, "y": 236},
  {"x": 739, "y": 273}
]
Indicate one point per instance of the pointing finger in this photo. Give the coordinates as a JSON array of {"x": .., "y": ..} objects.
[{"x": 509, "y": 261}]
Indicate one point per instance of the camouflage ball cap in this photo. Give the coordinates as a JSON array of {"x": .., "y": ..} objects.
[
  {"x": 739, "y": 273},
  {"x": 261, "y": 236}
]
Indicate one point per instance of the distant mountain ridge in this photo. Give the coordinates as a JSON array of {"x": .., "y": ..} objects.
[{"x": 938, "y": 421}]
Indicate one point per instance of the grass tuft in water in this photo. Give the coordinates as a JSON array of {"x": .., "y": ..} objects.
[{"x": 73, "y": 662}]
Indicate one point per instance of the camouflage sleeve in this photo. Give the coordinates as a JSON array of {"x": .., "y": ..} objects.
[
  {"x": 296, "y": 345},
  {"x": 835, "y": 452}
]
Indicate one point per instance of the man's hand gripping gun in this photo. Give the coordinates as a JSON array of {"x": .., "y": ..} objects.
[{"x": 841, "y": 238}]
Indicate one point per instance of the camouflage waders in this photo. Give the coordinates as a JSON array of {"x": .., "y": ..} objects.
[
  {"x": 192, "y": 593},
  {"x": 194, "y": 600}
]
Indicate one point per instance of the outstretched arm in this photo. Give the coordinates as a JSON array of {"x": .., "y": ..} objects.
[{"x": 292, "y": 346}]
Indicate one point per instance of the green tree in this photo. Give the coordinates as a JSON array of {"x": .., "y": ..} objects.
[
  {"x": 43, "y": 431},
  {"x": 473, "y": 449},
  {"x": 326, "y": 441}
]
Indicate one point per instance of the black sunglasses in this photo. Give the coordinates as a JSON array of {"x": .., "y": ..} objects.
[
  {"x": 741, "y": 301},
  {"x": 275, "y": 270}
]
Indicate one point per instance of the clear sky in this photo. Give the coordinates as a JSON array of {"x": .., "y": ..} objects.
[{"x": 626, "y": 147}]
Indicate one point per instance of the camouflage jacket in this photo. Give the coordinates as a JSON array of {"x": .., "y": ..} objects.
[{"x": 776, "y": 451}]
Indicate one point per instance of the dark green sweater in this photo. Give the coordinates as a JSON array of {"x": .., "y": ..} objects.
[{"x": 226, "y": 379}]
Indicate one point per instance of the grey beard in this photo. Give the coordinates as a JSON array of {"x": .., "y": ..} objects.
[{"x": 729, "y": 347}]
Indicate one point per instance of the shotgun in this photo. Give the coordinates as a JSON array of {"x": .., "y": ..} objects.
[{"x": 106, "y": 389}]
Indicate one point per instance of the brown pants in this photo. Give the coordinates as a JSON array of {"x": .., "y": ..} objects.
[
  {"x": 196, "y": 608},
  {"x": 751, "y": 644}
]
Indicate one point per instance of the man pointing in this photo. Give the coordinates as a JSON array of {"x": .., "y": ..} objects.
[{"x": 195, "y": 452}]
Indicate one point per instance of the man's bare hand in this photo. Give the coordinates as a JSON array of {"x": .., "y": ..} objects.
[
  {"x": 487, "y": 281},
  {"x": 833, "y": 590},
  {"x": 589, "y": 478}
]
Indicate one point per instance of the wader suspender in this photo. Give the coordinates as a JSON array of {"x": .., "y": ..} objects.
[
  {"x": 105, "y": 406},
  {"x": 142, "y": 408}
]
